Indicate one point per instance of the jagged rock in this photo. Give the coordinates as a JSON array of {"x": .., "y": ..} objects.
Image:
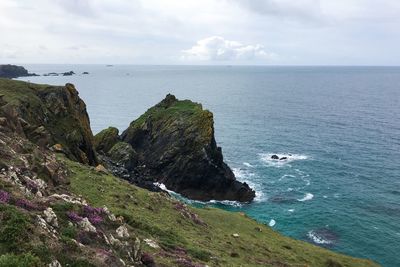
[
  {"x": 87, "y": 226},
  {"x": 55, "y": 263},
  {"x": 136, "y": 250},
  {"x": 51, "y": 217},
  {"x": 68, "y": 73},
  {"x": 57, "y": 148},
  {"x": 101, "y": 168},
  {"x": 283, "y": 158},
  {"x": 109, "y": 214},
  {"x": 48, "y": 115},
  {"x": 106, "y": 139},
  {"x": 122, "y": 231},
  {"x": 175, "y": 140},
  {"x": 151, "y": 243},
  {"x": 274, "y": 157}
]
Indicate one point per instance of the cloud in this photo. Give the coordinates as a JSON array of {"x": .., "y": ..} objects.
[
  {"x": 216, "y": 48},
  {"x": 299, "y": 9}
]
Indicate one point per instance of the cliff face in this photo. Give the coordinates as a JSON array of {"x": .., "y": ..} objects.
[
  {"x": 175, "y": 140},
  {"x": 48, "y": 115}
]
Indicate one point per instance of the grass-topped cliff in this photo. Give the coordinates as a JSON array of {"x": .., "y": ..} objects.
[
  {"x": 58, "y": 210},
  {"x": 199, "y": 235}
]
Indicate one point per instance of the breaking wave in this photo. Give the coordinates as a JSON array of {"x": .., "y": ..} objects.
[
  {"x": 284, "y": 158},
  {"x": 308, "y": 196}
]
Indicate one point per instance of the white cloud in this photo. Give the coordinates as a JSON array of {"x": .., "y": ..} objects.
[
  {"x": 301, "y": 32},
  {"x": 216, "y": 48}
]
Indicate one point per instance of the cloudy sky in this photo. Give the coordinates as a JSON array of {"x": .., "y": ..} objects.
[{"x": 271, "y": 32}]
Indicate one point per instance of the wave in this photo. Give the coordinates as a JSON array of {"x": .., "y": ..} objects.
[
  {"x": 248, "y": 164},
  {"x": 243, "y": 176},
  {"x": 272, "y": 222},
  {"x": 318, "y": 239},
  {"x": 192, "y": 201},
  {"x": 323, "y": 236},
  {"x": 308, "y": 196},
  {"x": 284, "y": 158}
]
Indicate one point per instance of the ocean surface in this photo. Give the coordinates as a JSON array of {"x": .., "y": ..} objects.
[{"x": 339, "y": 128}]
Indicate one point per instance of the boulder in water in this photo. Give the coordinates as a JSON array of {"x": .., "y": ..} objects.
[{"x": 274, "y": 157}]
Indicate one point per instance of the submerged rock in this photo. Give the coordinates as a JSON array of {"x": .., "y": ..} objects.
[{"x": 175, "y": 141}]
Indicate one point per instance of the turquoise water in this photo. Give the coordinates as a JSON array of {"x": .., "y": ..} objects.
[{"x": 340, "y": 188}]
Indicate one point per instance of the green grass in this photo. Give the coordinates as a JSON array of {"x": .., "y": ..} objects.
[
  {"x": 14, "y": 228},
  {"x": 152, "y": 215}
]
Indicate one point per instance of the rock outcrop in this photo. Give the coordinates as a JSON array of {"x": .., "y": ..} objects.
[
  {"x": 13, "y": 71},
  {"x": 48, "y": 115},
  {"x": 173, "y": 143}
]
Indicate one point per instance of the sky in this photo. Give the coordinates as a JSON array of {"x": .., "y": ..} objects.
[{"x": 209, "y": 32}]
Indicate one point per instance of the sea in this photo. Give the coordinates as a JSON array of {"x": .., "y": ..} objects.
[{"x": 338, "y": 127}]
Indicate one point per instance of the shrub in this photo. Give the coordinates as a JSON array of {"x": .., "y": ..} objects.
[
  {"x": 13, "y": 228},
  {"x": 4, "y": 196},
  {"x": 200, "y": 254},
  {"x": 24, "y": 260},
  {"x": 74, "y": 217},
  {"x": 26, "y": 204}
]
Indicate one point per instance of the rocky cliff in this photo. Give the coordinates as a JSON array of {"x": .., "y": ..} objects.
[
  {"x": 56, "y": 210},
  {"x": 48, "y": 116},
  {"x": 175, "y": 142}
]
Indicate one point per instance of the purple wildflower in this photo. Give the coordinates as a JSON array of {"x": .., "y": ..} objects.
[
  {"x": 26, "y": 204},
  {"x": 74, "y": 217},
  {"x": 88, "y": 210},
  {"x": 94, "y": 215},
  {"x": 95, "y": 219},
  {"x": 4, "y": 196}
]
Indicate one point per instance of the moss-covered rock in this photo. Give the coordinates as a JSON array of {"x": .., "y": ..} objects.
[
  {"x": 175, "y": 141},
  {"x": 48, "y": 115},
  {"x": 106, "y": 139}
]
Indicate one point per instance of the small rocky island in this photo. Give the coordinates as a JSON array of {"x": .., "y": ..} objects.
[
  {"x": 173, "y": 143},
  {"x": 61, "y": 204}
]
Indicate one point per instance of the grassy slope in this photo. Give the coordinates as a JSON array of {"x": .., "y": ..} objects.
[{"x": 153, "y": 216}]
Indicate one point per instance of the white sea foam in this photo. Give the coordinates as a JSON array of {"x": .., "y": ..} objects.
[
  {"x": 308, "y": 196},
  {"x": 266, "y": 158},
  {"x": 272, "y": 222},
  {"x": 163, "y": 187},
  {"x": 248, "y": 164},
  {"x": 318, "y": 239},
  {"x": 191, "y": 201},
  {"x": 244, "y": 175},
  {"x": 290, "y": 210}
]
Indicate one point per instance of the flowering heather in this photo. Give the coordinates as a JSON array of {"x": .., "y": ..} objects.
[
  {"x": 4, "y": 196},
  {"x": 95, "y": 219},
  {"x": 26, "y": 204},
  {"x": 74, "y": 217},
  {"x": 32, "y": 185},
  {"x": 94, "y": 215},
  {"x": 91, "y": 210}
]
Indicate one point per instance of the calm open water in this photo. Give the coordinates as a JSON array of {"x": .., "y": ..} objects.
[{"x": 339, "y": 127}]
